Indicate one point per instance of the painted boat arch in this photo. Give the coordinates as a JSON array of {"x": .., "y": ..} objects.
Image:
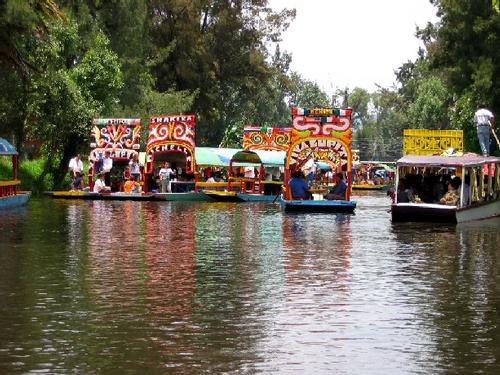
[
  {"x": 266, "y": 138},
  {"x": 172, "y": 136},
  {"x": 118, "y": 136},
  {"x": 323, "y": 134}
]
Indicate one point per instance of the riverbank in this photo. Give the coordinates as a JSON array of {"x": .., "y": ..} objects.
[{"x": 29, "y": 173}]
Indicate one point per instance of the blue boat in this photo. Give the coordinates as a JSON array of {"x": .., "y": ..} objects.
[
  {"x": 320, "y": 137},
  {"x": 10, "y": 196},
  {"x": 318, "y": 206}
]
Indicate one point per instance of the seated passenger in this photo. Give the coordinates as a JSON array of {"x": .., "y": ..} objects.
[
  {"x": 132, "y": 186},
  {"x": 298, "y": 186},
  {"x": 100, "y": 185},
  {"x": 338, "y": 191},
  {"x": 404, "y": 193},
  {"x": 452, "y": 197}
]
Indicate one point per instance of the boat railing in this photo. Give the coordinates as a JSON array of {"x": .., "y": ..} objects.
[{"x": 8, "y": 187}]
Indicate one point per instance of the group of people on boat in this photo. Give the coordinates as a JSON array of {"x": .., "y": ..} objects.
[
  {"x": 301, "y": 189},
  {"x": 431, "y": 188},
  {"x": 103, "y": 165}
]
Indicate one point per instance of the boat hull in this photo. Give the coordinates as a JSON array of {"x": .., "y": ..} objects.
[
  {"x": 318, "y": 206},
  {"x": 17, "y": 200},
  {"x": 105, "y": 196},
  {"x": 256, "y": 197},
  {"x": 370, "y": 187},
  {"x": 184, "y": 197},
  {"x": 435, "y": 213},
  {"x": 223, "y": 196}
]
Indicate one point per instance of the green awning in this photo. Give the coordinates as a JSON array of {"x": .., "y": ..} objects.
[
  {"x": 213, "y": 156},
  {"x": 258, "y": 157}
]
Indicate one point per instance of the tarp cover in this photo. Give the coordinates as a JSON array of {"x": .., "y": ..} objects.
[
  {"x": 6, "y": 148},
  {"x": 446, "y": 161}
]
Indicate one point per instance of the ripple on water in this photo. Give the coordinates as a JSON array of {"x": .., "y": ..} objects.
[{"x": 244, "y": 288}]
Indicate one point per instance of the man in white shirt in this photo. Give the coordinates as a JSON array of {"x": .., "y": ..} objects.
[
  {"x": 100, "y": 185},
  {"x": 75, "y": 165},
  {"x": 249, "y": 172},
  {"x": 165, "y": 175},
  {"x": 484, "y": 119},
  {"x": 107, "y": 164},
  {"x": 310, "y": 169},
  {"x": 75, "y": 168}
]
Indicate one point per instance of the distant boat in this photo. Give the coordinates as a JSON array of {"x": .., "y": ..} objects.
[
  {"x": 10, "y": 196},
  {"x": 483, "y": 191}
]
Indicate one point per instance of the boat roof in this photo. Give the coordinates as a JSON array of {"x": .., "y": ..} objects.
[
  {"x": 214, "y": 156},
  {"x": 6, "y": 148},
  {"x": 446, "y": 161},
  {"x": 258, "y": 157}
]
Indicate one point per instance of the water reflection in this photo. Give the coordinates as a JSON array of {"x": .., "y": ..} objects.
[{"x": 243, "y": 288}]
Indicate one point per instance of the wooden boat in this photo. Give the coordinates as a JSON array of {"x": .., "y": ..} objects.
[
  {"x": 323, "y": 134},
  {"x": 478, "y": 200},
  {"x": 241, "y": 189},
  {"x": 87, "y": 195},
  {"x": 191, "y": 196},
  {"x": 10, "y": 196},
  {"x": 370, "y": 187}
]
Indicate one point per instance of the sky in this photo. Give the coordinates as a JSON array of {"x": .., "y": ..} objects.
[{"x": 353, "y": 43}]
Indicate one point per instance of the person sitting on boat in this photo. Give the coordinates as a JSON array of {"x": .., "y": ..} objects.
[
  {"x": 452, "y": 197},
  {"x": 100, "y": 185},
  {"x": 132, "y": 186},
  {"x": 404, "y": 193},
  {"x": 298, "y": 186},
  {"x": 338, "y": 191},
  {"x": 77, "y": 182}
]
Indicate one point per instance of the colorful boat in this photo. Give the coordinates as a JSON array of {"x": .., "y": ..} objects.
[
  {"x": 264, "y": 150},
  {"x": 373, "y": 175},
  {"x": 120, "y": 138},
  {"x": 479, "y": 192},
  {"x": 323, "y": 134},
  {"x": 172, "y": 139},
  {"x": 10, "y": 196},
  {"x": 118, "y": 196}
]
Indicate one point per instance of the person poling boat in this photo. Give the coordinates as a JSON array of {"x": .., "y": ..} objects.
[{"x": 485, "y": 120}]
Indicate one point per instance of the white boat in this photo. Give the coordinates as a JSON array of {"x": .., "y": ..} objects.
[{"x": 478, "y": 200}]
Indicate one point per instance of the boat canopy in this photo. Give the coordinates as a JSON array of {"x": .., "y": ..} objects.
[
  {"x": 467, "y": 160},
  {"x": 259, "y": 157},
  {"x": 6, "y": 148},
  {"x": 213, "y": 156}
]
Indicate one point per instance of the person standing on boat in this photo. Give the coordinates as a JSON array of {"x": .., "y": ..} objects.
[
  {"x": 135, "y": 168},
  {"x": 107, "y": 164},
  {"x": 165, "y": 175},
  {"x": 75, "y": 168},
  {"x": 484, "y": 119},
  {"x": 310, "y": 169}
]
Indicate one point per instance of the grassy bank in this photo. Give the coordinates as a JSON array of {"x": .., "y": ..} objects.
[{"x": 29, "y": 173}]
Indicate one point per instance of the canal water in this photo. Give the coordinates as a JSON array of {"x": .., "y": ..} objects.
[{"x": 218, "y": 288}]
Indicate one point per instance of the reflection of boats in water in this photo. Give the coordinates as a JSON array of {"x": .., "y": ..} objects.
[
  {"x": 10, "y": 196},
  {"x": 478, "y": 195}
]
